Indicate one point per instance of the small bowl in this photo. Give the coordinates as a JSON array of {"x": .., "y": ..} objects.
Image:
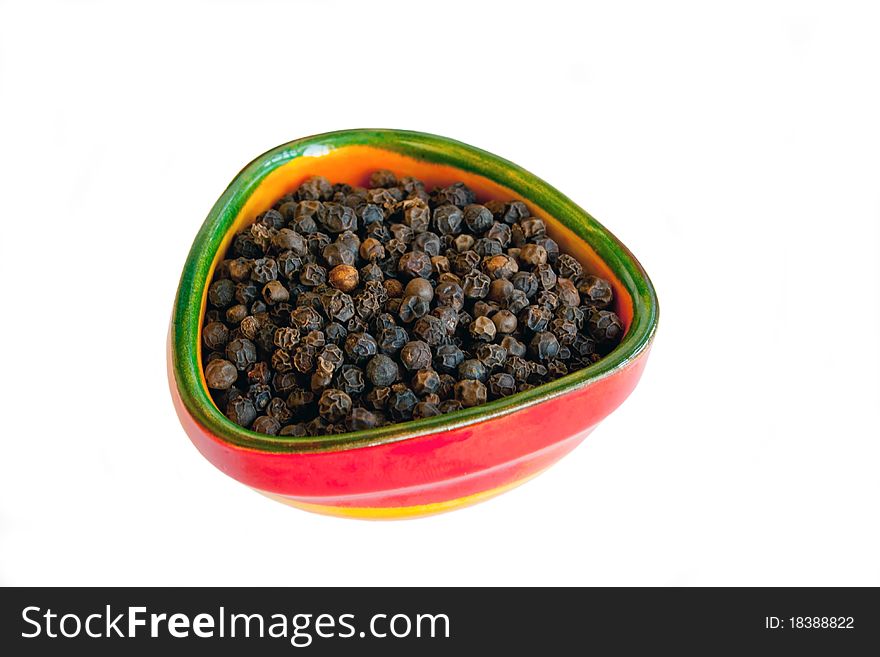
[{"x": 433, "y": 464}]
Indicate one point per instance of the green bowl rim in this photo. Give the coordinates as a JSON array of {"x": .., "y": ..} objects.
[{"x": 186, "y": 319}]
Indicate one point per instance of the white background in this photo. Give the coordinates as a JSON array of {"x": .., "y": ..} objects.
[{"x": 735, "y": 150}]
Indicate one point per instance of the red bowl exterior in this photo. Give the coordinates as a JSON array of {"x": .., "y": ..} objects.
[{"x": 427, "y": 470}]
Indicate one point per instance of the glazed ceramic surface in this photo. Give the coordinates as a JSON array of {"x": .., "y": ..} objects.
[{"x": 433, "y": 464}]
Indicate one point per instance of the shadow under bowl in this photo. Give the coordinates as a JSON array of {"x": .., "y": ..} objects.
[{"x": 429, "y": 465}]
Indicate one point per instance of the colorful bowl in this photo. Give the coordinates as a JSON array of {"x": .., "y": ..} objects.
[{"x": 433, "y": 464}]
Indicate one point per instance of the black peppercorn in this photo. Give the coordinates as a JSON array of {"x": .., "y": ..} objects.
[
  {"x": 284, "y": 382},
  {"x": 378, "y": 397},
  {"x": 315, "y": 189},
  {"x": 259, "y": 372},
  {"x": 242, "y": 353},
  {"x": 568, "y": 267},
  {"x": 517, "y": 302},
  {"x": 546, "y": 276},
  {"x": 425, "y": 409},
  {"x": 274, "y": 292},
  {"x": 448, "y": 317},
  {"x": 535, "y": 318},
  {"x": 477, "y": 217},
  {"x": 419, "y": 287},
  {"x": 414, "y": 264},
  {"x": 448, "y": 358},
  {"x": 382, "y": 370},
  {"x": 430, "y": 329},
  {"x": 296, "y": 430},
  {"x": 544, "y": 345},
  {"x": 303, "y": 359},
  {"x": 475, "y": 285},
  {"x": 565, "y": 330},
  {"x": 266, "y": 424},
  {"x": 491, "y": 355},
  {"x": 449, "y": 294},
  {"x": 450, "y": 406},
  {"x": 244, "y": 246},
  {"x": 359, "y": 346},
  {"x": 236, "y": 313},
  {"x": 300, "y": 401},
  {"x": 400, "y": 402},
  {"x": 472, "y": 369},
  {"x": 412, "y": 307},
  {"x": 518, "y": 367},
  {"x": 306, "y": 319},
  {"x": 241, "y": 411},
  {"x": 334, "y": 405},
  {"x": 501, "y": 384},
  {"x": 278, "y": 409},
  {"x": 337, "y": 305},
  {"x": 313, "y": 274},
  {"x": 350, "y": 380},
  {"x": 448, "y": 219},
  {"x": 221, "y": 293},
  {"x": 361, "y": 419},
  {"x": 500, "y": 290},
  {"x": 605, "y": 327}
]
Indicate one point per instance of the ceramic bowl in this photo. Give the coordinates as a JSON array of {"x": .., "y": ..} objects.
[{"x": 433, "y": 464}]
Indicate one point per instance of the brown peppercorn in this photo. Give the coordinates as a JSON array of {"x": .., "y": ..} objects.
[
  {"x": 220, "y": 374},
  {"x": 533, "y": 254},
  {"x": 215, "y": 335},
  {"x": 372, "y": 249},
  {"x": 344, "y": 277},
  {"x": 500, "y": 266},
  {"x": 236, "y": 313},
  {"x": 275, "y": 292},
  {"x": 439, "y": 264},
  {"x": 505, "y": 321},
  {"x": 597, "y": 292},
  {"x": 567, "y": 292},
  {"x": 464, "y": 243},
  {"x": 482, "y": 328},
  {"x": 393, "y": 287},
  {"x": 419, "y": 287},
  {"x": 500, "y": 289},
  {"x": 470, "y": 392},
  {"x": 286, "y": 337}
]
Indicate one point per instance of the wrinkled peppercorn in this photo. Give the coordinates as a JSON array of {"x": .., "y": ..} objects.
[
  {"x": 425, "y": 381},
  {"x": 416, "y": 355},
  {"x": 220, "y": 374},
  {"x": 605, "y": 327},
  {"x": 501, "y": 384},
  {"x": 470, "y": 393},
  {"x": 215, "y": 335},
  {"x": 334, "y": 405},
  {"x": 400, "y": 402}
]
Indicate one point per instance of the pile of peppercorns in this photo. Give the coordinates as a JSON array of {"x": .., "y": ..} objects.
[{"x": 344, "y": 308}]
